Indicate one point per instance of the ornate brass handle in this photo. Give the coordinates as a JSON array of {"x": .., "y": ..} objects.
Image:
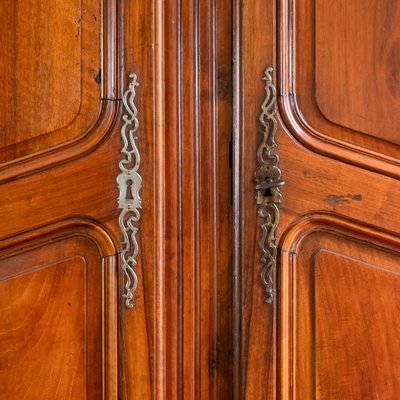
[
  {"x": 129, "y": 183},
  {"x": 268, "y": 182}
]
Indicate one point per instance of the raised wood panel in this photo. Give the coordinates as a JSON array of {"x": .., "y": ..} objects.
[
  {"x": 345, "y": 109},
  {"x": 339, "y": 305},
  {"x": 58, "y": 306},
  {"x": 58, "y": 62},
  {"x": 41, "y": 64},
  {"x": 43, "y": 334},
  {"x": 357, "y": 75},
  {"x": 357, "y": 329}
]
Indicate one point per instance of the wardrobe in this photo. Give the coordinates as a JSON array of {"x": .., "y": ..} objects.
[{"x": 199, "y": 199}]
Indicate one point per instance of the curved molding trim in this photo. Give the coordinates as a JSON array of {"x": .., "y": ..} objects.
[
  {"x": 60, "y": 230},
  {"x": 99, "y": 131},
  {"x": 328, "y": 222},
  {"x": 49, "y": 158},
  {"x": 295, "y": 123},
  {"x": 103, "y": 241},
  {"x": 290, "y": 245}
]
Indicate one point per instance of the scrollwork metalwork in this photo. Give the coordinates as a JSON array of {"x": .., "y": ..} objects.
[
  {"x": 129, "y": 184},
  {"x": 268, "y": 182}
]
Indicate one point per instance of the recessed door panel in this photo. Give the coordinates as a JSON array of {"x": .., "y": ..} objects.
[
  {"x": 55, "y": 70},
  {"x": 357, "y": 72},
  {"x": 338, "y": 77},
  {"x": 356, "y": 307},
  {"x": 344, "y": 301},
  {"x": 51, "y": 307}
]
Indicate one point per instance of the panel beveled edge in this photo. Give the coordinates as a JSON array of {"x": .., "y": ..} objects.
[
  {"x": 293, "y": 120},
  {"x": 107, "y": 247},
  {"x": 290, "y": 244},
  {"x": 85, "y": 227},
  {"x": 108, "y": 115}
]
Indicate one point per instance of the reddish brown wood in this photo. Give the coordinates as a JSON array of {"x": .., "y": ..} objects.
[
  {"x": 53, "y": 309},
  {"x": 356, "y": 67},
  {"x": 255, "y": 369},
  {"x": 27, "y": 77},
  {"x": 184, "y": 280},
  {"x": 365, "y": 203},
  {"x": 311, "y": 85},
  {"x": 69, "y": 190},
  {"x": 139, "y": 358},
  {"x": 198, "y": 131},
  {"x": 338, "y": 301},
  {"x": 199, "y": 328},
  {"x": 59, "y": 100},
  {"x": 350, "y": 352}
]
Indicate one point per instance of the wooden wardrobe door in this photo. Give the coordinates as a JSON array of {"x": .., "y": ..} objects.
[
  {"x": 65, "y": 331},
  {"x": 58, "y": 264},
  {"x": 83, "y": 80},
  {"x": 332, "y": 330}
]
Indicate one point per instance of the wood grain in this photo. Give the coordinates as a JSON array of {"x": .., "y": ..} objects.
[
  {"x": 310, "y": 80},
  {"x": 340, "y": 184},
  {"x": 60, "y": 255},
  {"x": 57, "y": 77},
  {"x": 356, "y": 67},
  {"x": 198, "y": 131},
  {"x": 176, "y": 342},
  {"x": 142, "y": 328},
  {"x": 42, "y": 61},
  {"x": 52, "y": 308},
  {"x": 254, "y": 320},
  {"x": 33, "y": 336},
  {"x": 356, "y": 331},
  {"x": 338, "y": 301},
  {"x": 200, "y": 328}
]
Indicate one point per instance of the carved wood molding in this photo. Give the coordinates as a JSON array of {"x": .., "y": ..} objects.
[
  {"x": 51, "y": 239},
  {"x": 296, "y": 122},
  {"x": 100, "y": 128},
  {"x": 61, "y": 229},
  {"x": 299, "y": 248}
]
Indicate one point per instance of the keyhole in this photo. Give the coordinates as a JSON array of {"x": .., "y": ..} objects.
[
  {"x": 268, "y": 192},
  {"x": 129, "y": 184}
]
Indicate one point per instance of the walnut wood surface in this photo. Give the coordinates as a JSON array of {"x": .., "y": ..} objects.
[
  {"x": 356, "y": 67},
  {"x": 59, "y": 66},
  {"x": 337, "y": 79},
  {"x": 200, "y": 328},
  {"x": 51, "y": 71},
  {"x": 339, "y": 296},
  {"x": 350, "y": 353},
  {"x": 58, "y": 243},
  {"x": 198, "y": 243},
  {"x": 367, "y": 201},
  {"x": 51, "y": 307}
]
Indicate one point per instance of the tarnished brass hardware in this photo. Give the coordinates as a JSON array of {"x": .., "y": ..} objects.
[
  {"x": 268, "y": 183},
  {"x": 129, "y": 184}
]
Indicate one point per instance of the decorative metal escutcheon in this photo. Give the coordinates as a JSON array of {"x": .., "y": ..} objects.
[
  {"x": 268, "y": 182},
  {"x": 129, "y": 184}
]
